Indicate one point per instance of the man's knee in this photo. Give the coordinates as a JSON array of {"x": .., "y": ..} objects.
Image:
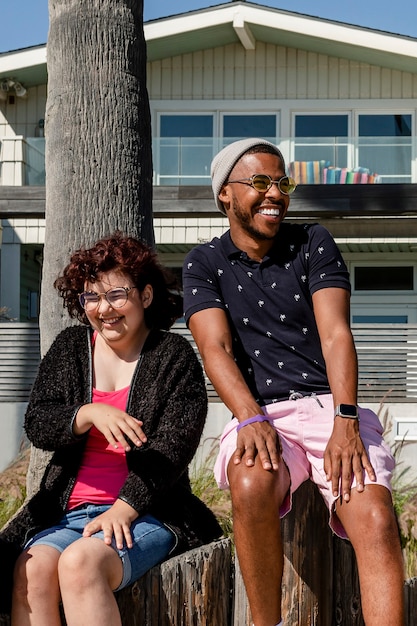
[
  {"x": 256, "y": 487},
  {"x": 373, "y": 510}
]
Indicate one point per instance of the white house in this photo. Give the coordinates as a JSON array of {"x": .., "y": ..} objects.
[{"x": 339, "y": 100}]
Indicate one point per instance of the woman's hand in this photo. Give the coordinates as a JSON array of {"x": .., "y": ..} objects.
[
  {"x": 114, "y": 522},
  {"x": 113, "y": 423}
]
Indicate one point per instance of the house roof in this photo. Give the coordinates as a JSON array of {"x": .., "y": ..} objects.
[{"x": 247, "y": 23}]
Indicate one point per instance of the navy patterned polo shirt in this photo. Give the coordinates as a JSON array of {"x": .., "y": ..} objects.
[{"x": 269, "y": 305}]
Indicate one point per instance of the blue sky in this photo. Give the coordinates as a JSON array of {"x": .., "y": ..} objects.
[{"x": 25, "y": 22}]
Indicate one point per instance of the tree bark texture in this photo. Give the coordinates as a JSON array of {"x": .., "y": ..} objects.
[{"x": 98, "y": 142}]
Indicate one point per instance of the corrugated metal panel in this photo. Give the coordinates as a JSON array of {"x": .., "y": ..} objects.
[
  {"x": 272, "y": 72},
  {"x": 19, "y": 360}
]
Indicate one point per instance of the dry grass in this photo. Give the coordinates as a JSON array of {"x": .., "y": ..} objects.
[
  {"x": 205, "y": 487},
  {"x": 13, "y": 486}
]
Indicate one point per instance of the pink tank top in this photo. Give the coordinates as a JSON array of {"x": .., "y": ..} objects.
[{"x": 103, "y": 469}]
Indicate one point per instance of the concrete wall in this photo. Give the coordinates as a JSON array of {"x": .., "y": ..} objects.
[{"x": 11, "y": 431}]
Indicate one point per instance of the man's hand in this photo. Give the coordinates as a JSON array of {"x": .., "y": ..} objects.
[
  {"x": 345, "y": 457},
  {"x": 116, "y": 521},
  {"x": 259, "y": 438}
]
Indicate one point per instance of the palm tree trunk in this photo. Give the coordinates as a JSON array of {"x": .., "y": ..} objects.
[{"x": 98, "y": 142}]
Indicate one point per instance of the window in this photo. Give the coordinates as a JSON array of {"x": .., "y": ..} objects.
[
  {"x": 384, "y": 278},
  {"x": 322, "y": 137},
  {"x": 185, "y": 149},
  {"x": 237, "y": 126},
  {"x": 385, "y": 147}
]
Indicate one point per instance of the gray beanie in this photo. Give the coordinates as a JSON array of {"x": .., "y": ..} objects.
[{"x": 225, "y": 160}]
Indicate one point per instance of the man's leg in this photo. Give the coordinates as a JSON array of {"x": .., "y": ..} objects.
[
  {"x": 370, "y": 523},
  {"x": 256, "y": 497}
]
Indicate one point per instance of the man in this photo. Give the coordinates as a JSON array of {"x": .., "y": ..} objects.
[{"x": 268, "y": 306}]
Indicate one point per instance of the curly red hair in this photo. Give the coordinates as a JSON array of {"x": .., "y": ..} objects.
[{"x": 131, "y": 257}]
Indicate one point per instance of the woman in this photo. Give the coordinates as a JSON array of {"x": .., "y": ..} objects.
[{"x": 122, "y": 404}]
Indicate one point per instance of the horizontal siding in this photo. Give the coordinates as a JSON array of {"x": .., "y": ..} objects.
[
  {"x": 387, "y": 355},
  {"x": 273, "y": 72},
  {"x": 19, "y": 360}
]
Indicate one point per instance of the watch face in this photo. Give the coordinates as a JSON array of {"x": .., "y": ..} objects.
[{"x": 349, "y": 410}]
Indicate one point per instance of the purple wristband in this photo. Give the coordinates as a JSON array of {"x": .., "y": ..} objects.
[{"x": 256, "y": 418}]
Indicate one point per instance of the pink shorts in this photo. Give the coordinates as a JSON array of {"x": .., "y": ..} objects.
[{"x": 304, "y": 427}]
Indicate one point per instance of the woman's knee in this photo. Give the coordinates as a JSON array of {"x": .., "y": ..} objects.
[
  {"x": 36, "y": 572},
  {"x": 84, "y": 562}
]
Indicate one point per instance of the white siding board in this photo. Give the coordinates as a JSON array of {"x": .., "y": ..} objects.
[
  {"x": 301, "y": 74},
  {"x": 364, "y": 81},
  {"x": 322, "y": 75},
  {"x": 344, "y": 79},
  {"x": 189, "y": 72},
  {"x": 154, "y": 79},
  {"x": 291, "y": 75},
  {"x": 229, "y": 73},
  {"x": 250, "y": 75},
  {"x": 271, "y": 69},
  {"x": 196, "y": 87},
  {"x": 239, "y": 74},
  {"x": 282, "y": 71},
  {"x": 208, "y": 77},
  {"x": 166, "y": 75},
  {"x": 397, "y": 83},
  {"x": 386, "y": 86},
  {"x": 375, "y": 84},
  {"x": 407, "y": 86},
  {"x": 312, "y": 75},
  {"x": 271, "y": 72},
  {"x": 354, "y": 75},
  {"x": 177, "y": 88},
  {"x": 333, "y": 85},
  {"x": 260, "y": 72},
  {"x": 222, "y": 80}
]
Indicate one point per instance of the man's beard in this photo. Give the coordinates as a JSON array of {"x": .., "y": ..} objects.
[{"x": 245, "y": 221}]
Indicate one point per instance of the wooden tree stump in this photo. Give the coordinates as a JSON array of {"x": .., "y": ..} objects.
[
  {"x": 188, "y": 590},
  {"x": 320, "y": 585},
  {"x": 192, "y": 589},
  {"x": 346, "y": 593},
  {"x": 410, "y": 601}
]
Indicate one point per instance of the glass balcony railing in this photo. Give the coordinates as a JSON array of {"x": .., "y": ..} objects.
[
  {"x": 315, "y": 160},
  {"x": 186, "y": 160}
]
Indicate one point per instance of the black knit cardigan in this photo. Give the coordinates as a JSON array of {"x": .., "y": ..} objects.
[{"x": 167, "y": 394}]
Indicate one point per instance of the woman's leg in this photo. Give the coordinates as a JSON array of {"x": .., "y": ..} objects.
[
  {"x": 36, "y": 594},
  {"x": 88, "y": 572}
]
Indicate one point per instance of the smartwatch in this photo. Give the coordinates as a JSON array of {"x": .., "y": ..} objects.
[{"x": 350, "y": 411}]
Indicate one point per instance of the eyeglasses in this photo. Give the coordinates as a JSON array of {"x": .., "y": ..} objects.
[
  {"x": 263, "y": 182},
  {"x": 117, "y": 297}
]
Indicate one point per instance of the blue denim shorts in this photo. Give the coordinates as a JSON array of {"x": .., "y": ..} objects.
[{"x": 152, "y": 541}]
